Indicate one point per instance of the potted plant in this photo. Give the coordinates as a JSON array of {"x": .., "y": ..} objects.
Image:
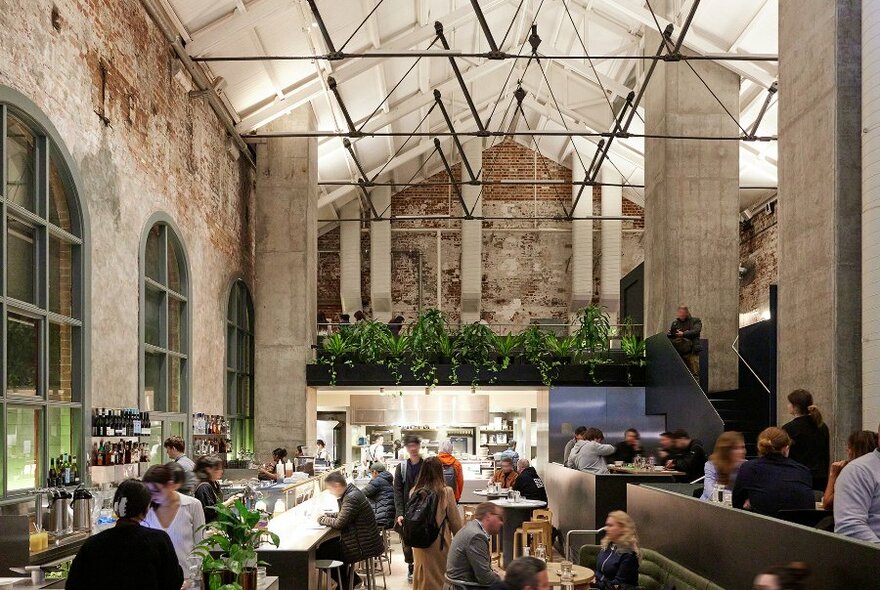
[
  {"x": 473, "y": 345},
  {"x": 594, "y": 328},
  {"x": 234, "y": 536},
  {"x": 506, "y": 348}
]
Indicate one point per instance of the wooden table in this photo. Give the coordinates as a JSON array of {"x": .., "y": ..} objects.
[
  {"x": 634, "y": 471},
  {"x": 582, "y": 575},
  {"x": 515, "y": 514}
]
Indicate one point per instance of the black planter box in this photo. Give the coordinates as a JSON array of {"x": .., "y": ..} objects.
[{"x": 616, "y": 375}]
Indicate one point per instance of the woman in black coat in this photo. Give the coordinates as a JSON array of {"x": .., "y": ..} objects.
[
  {"x": 359, "y": 537},
  {"x": 380, "y": 493},
  {"x": 617, "y": 564},
  {"x": 810, "y": 440}
]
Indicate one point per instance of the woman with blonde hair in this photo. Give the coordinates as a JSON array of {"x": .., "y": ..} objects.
[
  {"x": 773, "y": 482},
  {"x": 723, "y": 465},
  {"x": 617, "y": 565},
  {"x": 810, "y": 444},
  {"x": 430, "y": 562}
]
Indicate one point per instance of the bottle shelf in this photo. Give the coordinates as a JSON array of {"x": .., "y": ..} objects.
[
  {"x": 223, "y": 436},
  {"x": 112, "y": 437}
]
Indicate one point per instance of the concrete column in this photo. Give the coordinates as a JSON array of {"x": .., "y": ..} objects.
[
  {"x": 380, "y": 257},
  {"x": 472, "y": 237},
  {"x": 612, "y": 241},
  {"x": 870, "y": 214},
  {"x": 350, "y": 258},
  {"x": 581, "y": 232},
  {"x": 285, "y": 294},
  {"x": 819, "y": 333},
  {"x": 692, "y": 207}
]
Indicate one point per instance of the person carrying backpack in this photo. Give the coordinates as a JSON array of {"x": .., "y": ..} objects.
[
  {"x": 405, "y": 475},
  {"x": 451, "y": 469},
  {"x": 430, "y": 520}
]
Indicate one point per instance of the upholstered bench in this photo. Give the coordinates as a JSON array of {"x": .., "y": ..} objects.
[{"x": 656, "y": 572}]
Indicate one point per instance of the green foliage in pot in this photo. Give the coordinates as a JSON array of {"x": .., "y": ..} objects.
[
  {"x": 594, "y": 328},
  {"x": 234, "y": 535},
  {"x": 368, "y": 342},
  {"x": 396, "y": 351},
  {"x": 474, "y": 345},
  {"x": 562, "y": 349},
  {"x": 336, "y": 350},
  {"x": 428, "y": 339},
  {"x": 534, "y": 345},
  {"x": 506, "y": 348}
]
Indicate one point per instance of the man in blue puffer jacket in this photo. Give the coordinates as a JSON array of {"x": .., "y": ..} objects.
[{"x": 380, "y": 493}]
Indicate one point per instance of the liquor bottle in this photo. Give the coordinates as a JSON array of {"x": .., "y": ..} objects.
[
  {"x": 74, "y": 471},
  {"x": 65, "y": 469},
  {"x": 52, "y": 474},
  {"x": 137, "y": 424},
  {"x": 147, "y": 428}
]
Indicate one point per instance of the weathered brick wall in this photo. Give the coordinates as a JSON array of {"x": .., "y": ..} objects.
[
  {"x": 758, "y": 245},
  {"x": 141, "y": 145},
  {"x": 526, "y": 273}
]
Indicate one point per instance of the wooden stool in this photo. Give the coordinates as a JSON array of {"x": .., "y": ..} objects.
[
  {"x": 496, "y": 551},
  {"x": 324, "y": 566},
  {"x": 537, "y": 532},
  {"x": 539, "y": 514}
]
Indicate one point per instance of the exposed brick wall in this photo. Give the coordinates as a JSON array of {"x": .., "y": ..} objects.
[
  {"x": 526, "y": 274},
  {"x": 758, "y": 245},
  {"x": 141, "y": 145}
]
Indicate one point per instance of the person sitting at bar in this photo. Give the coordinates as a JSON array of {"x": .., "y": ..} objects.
[
  {"x": 380, "y": 492},
  {"x": 469, "y": 560},
  {"x": 589, "y": 454},
  {"x": 810, "y": 440},
  {"x": 528, "y": 483},
  {"x": 689, "y": 457},
  {"x": 792, "y": 576},
  {"x": 209, "y": 472},
  {"x": 773, "y": 482},
  {"x": 128, "y": 555},
  {"x": 524, "y": 573},
  {"x": 175, "y": 447},
  {"x": 857, "y": 499},
  {"x": 269, "y": 472},
  {"x": 359, "y": 537},
  {"x": 724, "y": 464},
  {"x": 180, "y": 516},
  {"x": 505, "y": 476},
  {"x": 627, "y": 449},
  {"x": 510, "y": 452},
  {"x": 452, "y": 471},
  {"x": 617, "y": 564},
  {"x": 859, "y": 444},
  {"x": 685, "y": 335},
  {"x": 578, "y": 435}
]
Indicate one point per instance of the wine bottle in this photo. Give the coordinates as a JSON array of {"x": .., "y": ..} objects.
[
  {"x": 52, "y": 474},
  {"x": 74, "y": 469}
]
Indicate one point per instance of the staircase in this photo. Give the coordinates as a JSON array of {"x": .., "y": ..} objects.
[{"x": 741, "y": 411}]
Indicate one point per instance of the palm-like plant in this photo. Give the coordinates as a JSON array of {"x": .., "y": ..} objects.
[
  {"x": 561, "y": 348},
  {"x": 506, "y": 346},
  {"x": 337, "y": 350},
  {"x": 474, "y": 345},
  {"x": 367, "y": 340},
  {"x": 594, "y": 327}
]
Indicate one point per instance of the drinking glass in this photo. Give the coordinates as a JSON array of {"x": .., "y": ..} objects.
[{"x": 566, "y": 574}]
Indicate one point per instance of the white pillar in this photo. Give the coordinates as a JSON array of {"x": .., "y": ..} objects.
[
  {"x": 380, "y": 256},
  {"x": 870, "y": 214},
  {"x": 350, "y": 258},
  {"x": 612, "y": 240},
  {"x": 472, "y": 237},
  {"x": 581, "y": 233}
]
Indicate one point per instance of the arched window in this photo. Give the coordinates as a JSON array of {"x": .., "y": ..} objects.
[
  {"x": 42, "y": 300},
  {"x": 165, "y": 341},
  {"x": 240, "y": 367}
]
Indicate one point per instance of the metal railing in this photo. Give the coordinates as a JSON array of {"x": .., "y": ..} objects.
[
  {"x": 568, "y": 535},
  {"x": 748, "y": 366}
]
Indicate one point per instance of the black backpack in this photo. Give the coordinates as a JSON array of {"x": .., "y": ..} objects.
[
  {"x": 449, "y": 476},
  {"x": 420, "y": 528}
]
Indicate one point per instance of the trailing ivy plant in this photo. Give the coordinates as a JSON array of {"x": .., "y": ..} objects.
[
  {"x": 368, "y": 342},
  {"x": 474, "y": 345},
  {"x": 396, "y": 351},
  {"x": 534, "y": 345},
  {"x": 506, "y": 348},
  {"x": 337, "y": 349},
  {"x": 427, "y": 336}
]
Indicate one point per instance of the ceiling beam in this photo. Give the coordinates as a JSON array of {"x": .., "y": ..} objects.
[{"x": 224, "y": 28}]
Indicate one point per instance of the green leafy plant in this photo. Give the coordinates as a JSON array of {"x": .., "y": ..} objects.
[
  {"x": 428, "y": 340},
  {"x": 594, "y": 328},
  {"x": 336, "y": 350},
  {"x": 561, "y": 348},
  {"x": 634, "y": 348},
  {"x": 368, "y": 342},
  {"x": 396, "y": 351},
  {"x": 474, "y": 345},
  {"x": 534, "y": 345},
  {"x": 235, "y": 536},
  {"x": 506, "y": 348}
]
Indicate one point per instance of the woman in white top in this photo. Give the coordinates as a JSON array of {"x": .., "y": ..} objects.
[
  {"x": 180, "y": 516},
  {"x": 723, "y": 465}
]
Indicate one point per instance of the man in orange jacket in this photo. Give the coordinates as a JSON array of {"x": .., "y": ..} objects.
[{"x": 451, "y": 468}]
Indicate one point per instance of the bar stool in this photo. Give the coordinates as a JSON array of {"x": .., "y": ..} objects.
[
  {"x": 386, "y": 556},
  {"x": 538, "y": 534},
  {"x": 367, "y": 569},
  {"x": 539, "y": 514},
  {"x": 324, "y": 566}
]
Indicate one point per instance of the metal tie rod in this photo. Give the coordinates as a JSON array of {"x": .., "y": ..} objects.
[
  {"x": 502, "y": 134},
  {"x": 455, "y": 137},
  {"x": 445, "y": 54},
  {"x": 468, "y": 213},
  {"x": 438, "y": 28}
]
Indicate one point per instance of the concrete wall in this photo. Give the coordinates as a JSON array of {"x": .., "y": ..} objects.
[
  {"x": 820, "y": 209},
  {"x": 157, "y": 151}
]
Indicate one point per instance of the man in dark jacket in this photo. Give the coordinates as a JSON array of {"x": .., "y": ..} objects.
[
  {"x": 688, "y": 455},
  {"x": 380, "y": 493},
  {"x": 359, "y": 537},
  {"x": 404, "y": 479},
  {"x": 528, "y": 483},
  {"x": 685, "y": 335}
]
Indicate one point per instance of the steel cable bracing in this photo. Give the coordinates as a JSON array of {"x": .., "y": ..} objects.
[
  {"x": 400, "y": 149},
  {"x": 360, "y": 26}
]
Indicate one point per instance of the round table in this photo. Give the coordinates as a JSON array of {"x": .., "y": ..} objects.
[
  {"x": 502, "y": 493},
  {"x": 582, "y": 575},
  {"x": 515, "y": 514}
]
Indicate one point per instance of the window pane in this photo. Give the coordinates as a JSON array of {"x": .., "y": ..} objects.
[
  {"x": 60, "y": 279},
  {"x": 23, "y": 346},
  {"x": 244, "y": 395},
  {"x": 22, "y": 447},
  {"x": 154, "y": 443},
  {"x": 247, "y": 355},
  {"x": 59, "y": 204},
  {"x": 175, "y": 266},
  {"x": 231, "y": 392},
  {"x": 233, "y": 304},
  {"x": 176, "y": 337},
  {"x": 21, "y": 261},
  {"x": 154, "y": 259},
  {"x": 231, "y": 347},
  {"x": 64, "y": 424},
  {"x": 60, "y": 362},
  {"x": 153, "y": 317},
  {"x": 175, "y": 384},
  {"x": 21, "y": 158},
  {"x": 154, "y": 382}
]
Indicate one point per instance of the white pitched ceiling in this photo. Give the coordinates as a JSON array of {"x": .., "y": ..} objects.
[{"x": 259, "y": 91}]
